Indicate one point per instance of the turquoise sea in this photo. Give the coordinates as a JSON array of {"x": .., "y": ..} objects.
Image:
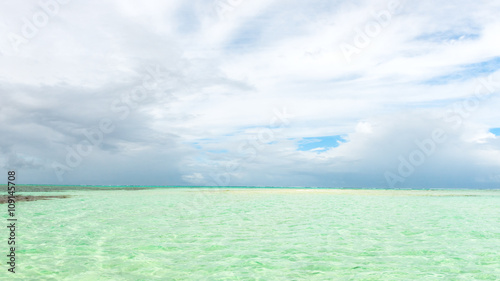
[{"x": 257, "y": 234}]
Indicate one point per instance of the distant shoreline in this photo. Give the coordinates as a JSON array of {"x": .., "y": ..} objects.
[{"x": 57, "y": 188}]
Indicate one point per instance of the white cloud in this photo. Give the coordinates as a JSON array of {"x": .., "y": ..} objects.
[{"x": 223, "y": 78}]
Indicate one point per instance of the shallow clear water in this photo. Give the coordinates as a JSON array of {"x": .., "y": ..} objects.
[{"x": 258, "y": 234}]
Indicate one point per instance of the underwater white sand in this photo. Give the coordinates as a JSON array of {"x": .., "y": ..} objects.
[{"x": 259, "y": 234}]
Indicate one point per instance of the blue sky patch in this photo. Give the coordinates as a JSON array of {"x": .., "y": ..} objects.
[
  {"x": 484, "y": 67},
  {"x": 468, "y": 71},
  {"x": 449, "y": 36},
  {"x": 220, "y": 151},
  {"x": 495, "y": 131},
  {"x": 320, "y": 144}
]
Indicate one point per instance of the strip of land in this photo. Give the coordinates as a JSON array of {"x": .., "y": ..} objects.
[
  {"x": 19, "y": 198},
  {"x": 360, "y": 192}
]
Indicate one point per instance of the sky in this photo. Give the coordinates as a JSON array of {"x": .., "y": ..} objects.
[{"x": 376, "y": 94}]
